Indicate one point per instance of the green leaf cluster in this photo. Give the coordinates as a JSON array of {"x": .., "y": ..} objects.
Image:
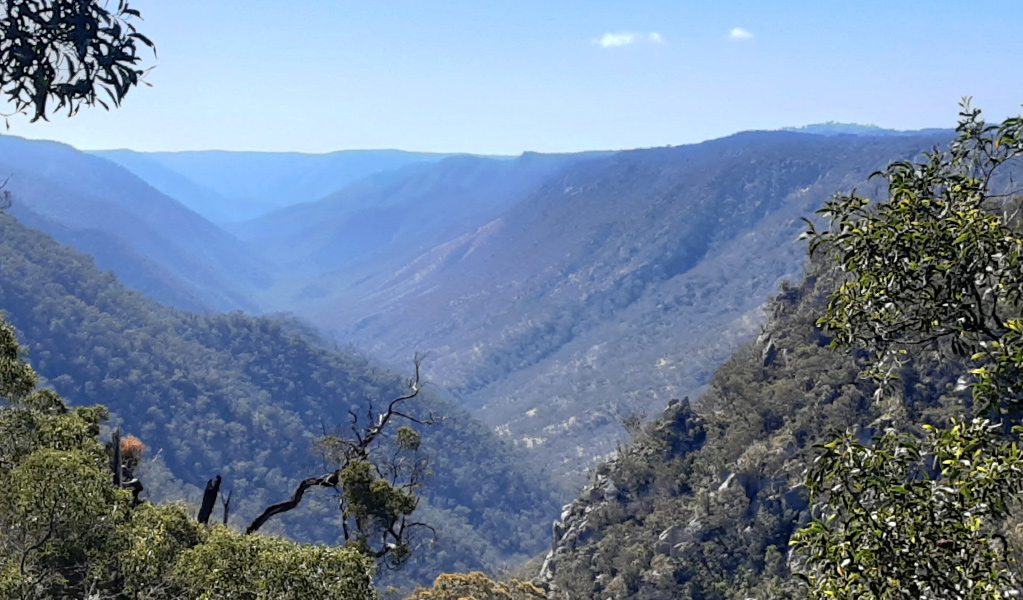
[
  {"x": 938, "y": 267},
  {"x": 230, "y": 566},
  {"x": 936, "y": 262},
  {"x": 904, "y": 518},
  {"x": 370, "y": 497},
  {"x": 476, "y": 585}
]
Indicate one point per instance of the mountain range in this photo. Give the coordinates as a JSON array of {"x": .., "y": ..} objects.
[
  {"x": 636, "y": 324},
  {"x": 231, "y": 187},
  {"x": 151, "y": 240},
  {"x": 554, "y": 295}
]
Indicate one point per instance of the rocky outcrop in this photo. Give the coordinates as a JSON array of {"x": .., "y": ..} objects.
[
  {"x": 678, "y": 431},
  {"x": 705, "y": 506},
  {"x": 575, "y": 529},
  {"x": 617, "y": 514}
]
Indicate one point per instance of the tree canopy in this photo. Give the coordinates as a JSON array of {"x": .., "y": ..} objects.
[{"x": 939, "y": 261}]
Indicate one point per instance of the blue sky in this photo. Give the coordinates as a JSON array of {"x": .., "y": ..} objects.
[{"x": 500, "y": 76}]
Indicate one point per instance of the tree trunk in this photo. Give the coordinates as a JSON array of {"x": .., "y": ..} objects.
[{"x": 209, "y": 499}]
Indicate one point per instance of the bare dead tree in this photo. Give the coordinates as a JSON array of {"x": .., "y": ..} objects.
[
  {"x": 118, "y": 464},
  {"x": 376, "y": 470},
  {"x": 331, "y": 480},
  {"x": 209, "y": 499},
  {"x": 6, "y": 200},
  {"x": 226, "y": 502}
]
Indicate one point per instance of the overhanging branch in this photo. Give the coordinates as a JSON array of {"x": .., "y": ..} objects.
[{"x": 331, "y": 480}]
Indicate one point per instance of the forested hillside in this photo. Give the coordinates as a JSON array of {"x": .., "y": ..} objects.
[
  {"x": 153, "y": 242},
  {"x": 245, "y": 397},
  {"x": 864, "y": 445}
]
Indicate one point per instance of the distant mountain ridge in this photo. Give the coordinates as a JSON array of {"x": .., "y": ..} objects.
[
  {"x": 130, "y": 226},
  {"x": 836, "y": 128},
  {"x": 398, "y": 214},
  {"x": 555, "y": 294},
  {"x": 230, "y": 187}
]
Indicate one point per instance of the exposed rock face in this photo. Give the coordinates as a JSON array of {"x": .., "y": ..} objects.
[
  {"x": 705, "y": 505},
  {"x": 674, "y": 540},
  {"x": 679, "y": 430}
]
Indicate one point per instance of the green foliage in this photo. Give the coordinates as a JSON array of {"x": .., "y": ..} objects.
[
  {"x": 60, "y": 514},
  {"x": 68, "y": 51},
  {"x": 150, "y": 546},
  {"x": 57, "y": 507},
  {"x": 17, "y": 379},
  {"x": 23, "y": 428},
  {"x": 935, "y": 262},
  {"x": 408, "y": 438},
  {"x": 230, "y": 566},
  {"x": 372, "y": 499},
  {"x": 477, "y": 586},
  {"x": 909, "y": 519},
  {"x": 936, "y": 266}
]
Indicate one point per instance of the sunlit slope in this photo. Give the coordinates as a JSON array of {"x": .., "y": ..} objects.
[
  {"x": 616, "y": 286},
  {"x": 705, "y": 501}
]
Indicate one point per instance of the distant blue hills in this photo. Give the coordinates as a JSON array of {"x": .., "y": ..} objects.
[
  {"x": 229, "y": 187},
  {"x": 835, "y": 128}
]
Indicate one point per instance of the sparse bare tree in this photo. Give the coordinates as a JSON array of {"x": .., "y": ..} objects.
[{"x": 376, "y": 470}]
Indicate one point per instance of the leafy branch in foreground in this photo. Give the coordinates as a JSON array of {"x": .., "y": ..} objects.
[
  {"x": 68, "y": 51},
  {"x": 908, "y": 519},
  {"x": 937, "y": 266},
  {"x": 937, "y": 262}
]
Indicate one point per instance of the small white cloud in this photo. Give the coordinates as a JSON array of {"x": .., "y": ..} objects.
[
  {"x": 625, "y": 38},
  {"x": 615, "y": 40},
  {"x": 740, "y": 34}
]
